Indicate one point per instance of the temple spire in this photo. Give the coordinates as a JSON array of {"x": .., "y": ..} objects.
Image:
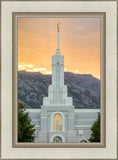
[{"x": 58, "y": 26}]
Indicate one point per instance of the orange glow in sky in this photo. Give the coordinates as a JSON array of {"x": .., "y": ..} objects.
[{"x": 79, "y": 43}]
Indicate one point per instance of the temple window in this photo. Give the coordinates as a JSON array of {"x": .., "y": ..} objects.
[{"x": 57, "y": 122}]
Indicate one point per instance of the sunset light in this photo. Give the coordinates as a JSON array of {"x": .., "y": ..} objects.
[
  {"x": 31, "y": 68},
  {"x": 79, "y": 42}
]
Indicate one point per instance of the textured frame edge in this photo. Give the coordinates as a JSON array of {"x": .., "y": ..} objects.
[{"x": 117, "y": 77}]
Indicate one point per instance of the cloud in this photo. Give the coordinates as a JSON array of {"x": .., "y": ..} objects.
[
  {"x": 31, "y": 68},
  {"x": 48, "y": 72}
]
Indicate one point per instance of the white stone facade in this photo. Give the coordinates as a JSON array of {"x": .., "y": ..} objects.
[{"x": 83, "y": 120}]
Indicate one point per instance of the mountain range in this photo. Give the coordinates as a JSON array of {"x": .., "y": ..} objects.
[{"x": 83, "y": 88}]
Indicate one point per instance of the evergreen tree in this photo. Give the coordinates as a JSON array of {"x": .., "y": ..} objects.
[
  {"x": 95, "y": 135},
  {"x": 25, "y": 129}
]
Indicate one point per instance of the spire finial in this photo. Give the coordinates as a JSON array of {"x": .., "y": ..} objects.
[
  {"x": 58, "y": 25},
  {"x": 58, "y": 52}
]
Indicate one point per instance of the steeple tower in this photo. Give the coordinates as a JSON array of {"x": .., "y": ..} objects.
[
  {"x": 57, "y": 102},
  {"x": 58, "y": 51},
  {"x": 57, "y": 91}
]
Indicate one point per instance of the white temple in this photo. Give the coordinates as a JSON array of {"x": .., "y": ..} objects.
[{"x": 58, "y": 120}]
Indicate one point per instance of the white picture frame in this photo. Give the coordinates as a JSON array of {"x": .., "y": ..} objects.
[{"x": 109, "y": 151}]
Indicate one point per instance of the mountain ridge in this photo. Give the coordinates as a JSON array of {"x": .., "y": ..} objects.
[{"x": 83, "y": 88}]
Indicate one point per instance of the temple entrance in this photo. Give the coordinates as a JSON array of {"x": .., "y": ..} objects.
[
  {"x": 57, "y": 139},
  {"x": 83, "y": 141}
]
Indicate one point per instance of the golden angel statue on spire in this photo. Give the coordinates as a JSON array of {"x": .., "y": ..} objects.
[{"x": 58, "y": 25}]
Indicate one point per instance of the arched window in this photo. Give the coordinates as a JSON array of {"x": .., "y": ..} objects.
[{"x": 57, "y": 122}]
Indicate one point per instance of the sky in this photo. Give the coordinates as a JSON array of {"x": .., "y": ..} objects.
[{"x": 79, "y": 42}]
